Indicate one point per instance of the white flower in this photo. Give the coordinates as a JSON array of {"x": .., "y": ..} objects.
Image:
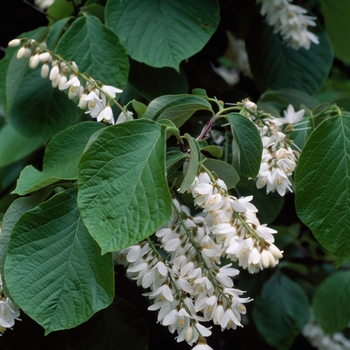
[
  {"x": 230, "y": 320},
  {"x": 74, "y": 85},
  {"x": 290, "y": 116},
  {"x": 110, "y": 90},
  {"x": 123, "y": 118},
  {"x": 106, "y": 115},
  {"x": 164, "y": 292},
  {"x": 8, "y": 313},
  {"x": 249, "y": 104}
]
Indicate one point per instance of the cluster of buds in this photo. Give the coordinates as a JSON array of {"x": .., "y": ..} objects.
[
  {"x": 94, "y": 96},
  {"x": 290, "y": 21},
  {"x": 278, "y": 159}
]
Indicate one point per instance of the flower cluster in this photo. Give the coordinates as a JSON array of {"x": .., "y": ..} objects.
[
  {"x": 93, "y": 96},
  {"x": 290, "y": 21},
  {"x": 234, "y": 226},
  {"x": 189, "y": 281},
  {"x": 321, "y": 341},
  {"x": 190, "y": 286},
  {"x": 278, "y": 159}
]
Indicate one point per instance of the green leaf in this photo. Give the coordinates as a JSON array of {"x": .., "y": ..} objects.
[
  {"x": 96, "y": 10},
  {"x": 331, "y": 303},
  {"x": 171, "y": 129},
  {"x": 179, "y": 111},
  {"x": 177, "y": 108},
  {"x": 139, "y": 107},
  {"x": 293, "y": 69},
  {"x": 35, "y": 109},
  {"x": 61, "y": 158},
  {"x": 56, "y": 30},
  {"x": 174, "y": 156},
  {"x": 123, "y": 192},
  {"x": 57, "y": 275},
  {"x": 281, "y": 311},
  {"x": 322, "y": 185},
  {"x": 192, "y": 166},
  {"x": 14, "y": 146},
  {"x": 60, "y": 9},
  {"x": 162, "y": 34},
  {"x": 249, "y": 147},
  {"x": 215, "y": 151},
  {"x": 224, "y": 171},
  {"x": 13, "y": 213},
  {"x": 96, "y": 49},
  {"x": 336, "y": 17}
]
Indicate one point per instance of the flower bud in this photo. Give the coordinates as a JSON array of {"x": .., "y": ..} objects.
[
  {"x": 44, "y": 70},
  {"x": 63, "y": 80},
  {"x": 189, "y": 334},
  {"x": 45, "y": 57},
  {"x": 15, "y": 42},
  {"x": 54, "y": 73},
  {"x": 265, "y": 259},
  {"x": 27, "y": 52},
  {"x": 275, "y": 251},
  {"x": 34, "y": 61},
  {"x": 21, "y": 53}
]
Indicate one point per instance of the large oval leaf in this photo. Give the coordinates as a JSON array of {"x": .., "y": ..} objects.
[
  {"x": 331, "y": 303},
  {"x": 96, "y": 49},
  {"x": 322, "y": 184},
  {"x": 336, "y": 17},
  {"x": 35, "y": 109},
  {"x": 11, "y": 216},
  {"x": 248, "y": 144},
  {"x": 281, "y": 311},
  {"x": 163, "y": 33},
  {"x": 61, "y": 158},
  {"x": 123, "y": 192},
  {"x": 54, "y": 269},
  {"x": 15, "y": 146}
]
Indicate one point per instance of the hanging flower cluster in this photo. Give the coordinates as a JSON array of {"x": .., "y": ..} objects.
[
  {"x": 190, "y": 286},
  {"x": 290, "y": 21},
  {"x": 278, "y": 159},
  {"x": 94, "y": 96},
  {"x": 321, "y": 341}
]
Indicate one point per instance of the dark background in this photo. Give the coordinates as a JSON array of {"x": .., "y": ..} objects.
[{"x": 16, "y": 17}]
